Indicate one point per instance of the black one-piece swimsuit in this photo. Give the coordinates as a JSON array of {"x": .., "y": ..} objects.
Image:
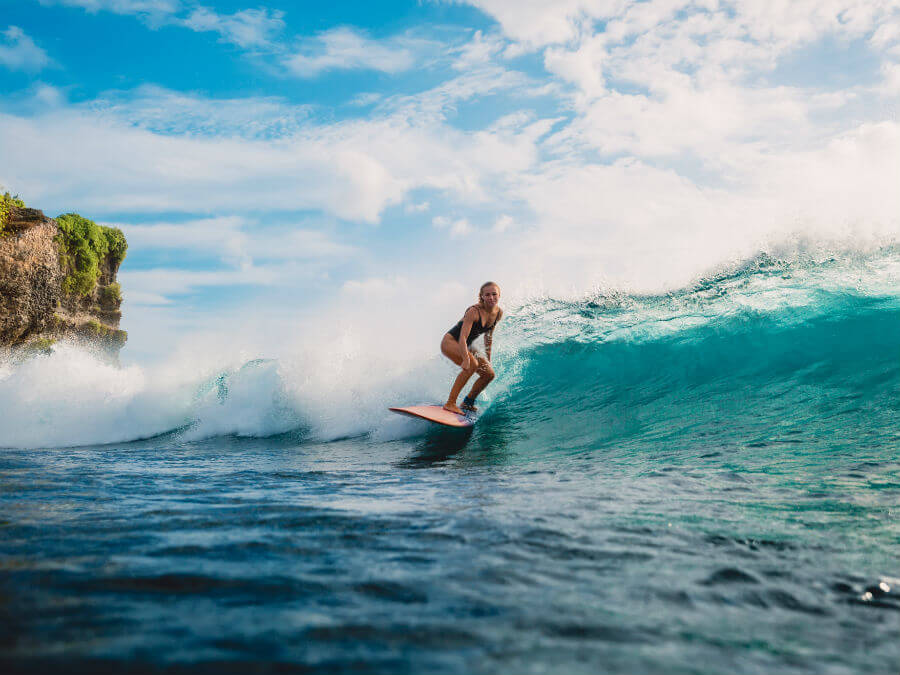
[{"x": 477, "y": 329}]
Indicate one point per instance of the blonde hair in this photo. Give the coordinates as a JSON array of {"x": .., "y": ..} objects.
[{"x": 485, "y": 285}]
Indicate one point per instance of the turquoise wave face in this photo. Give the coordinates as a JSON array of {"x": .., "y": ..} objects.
[{"x": 761, "y": 359}]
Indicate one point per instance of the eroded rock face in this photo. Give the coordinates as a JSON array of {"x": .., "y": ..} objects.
[
  {"x": 24, "y": 218},
  {"x": 33, "y": 307},
  {"x": 30, "y": 276}
]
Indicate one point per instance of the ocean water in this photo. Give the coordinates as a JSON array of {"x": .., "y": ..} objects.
[{"x": 703, "y": 481}]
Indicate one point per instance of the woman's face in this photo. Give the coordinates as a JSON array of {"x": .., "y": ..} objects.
[{"x": 490, "y": 296}]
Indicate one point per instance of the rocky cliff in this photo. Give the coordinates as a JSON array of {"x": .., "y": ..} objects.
[{"x": 58, "y": 280}]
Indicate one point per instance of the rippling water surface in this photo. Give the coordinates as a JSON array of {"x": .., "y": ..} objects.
[{"x": 700, "y": 483}]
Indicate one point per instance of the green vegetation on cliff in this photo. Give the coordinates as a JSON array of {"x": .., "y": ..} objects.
[
  {"x": 96, "y": 330},
  {"x": 111, "y": 295},
  {"x": 40, "y": 346},
  {"x": 6, "y": 201},
  {"x": 82, "y": 246}
]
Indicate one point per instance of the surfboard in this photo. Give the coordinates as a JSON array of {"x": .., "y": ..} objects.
[{"x": 435, "y": 413}]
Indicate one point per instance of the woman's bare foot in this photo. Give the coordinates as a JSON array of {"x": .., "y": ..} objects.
[{"x": 452, "y": 407}]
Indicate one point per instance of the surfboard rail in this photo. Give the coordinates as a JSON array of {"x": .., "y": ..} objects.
[{"x": 436, "y": 414}]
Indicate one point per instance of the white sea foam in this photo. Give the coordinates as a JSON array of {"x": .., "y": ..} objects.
[
  {"x": 336, "y": 376},
  {"x": 328, "y": 388},
  {"x": 72, "y": 397}
]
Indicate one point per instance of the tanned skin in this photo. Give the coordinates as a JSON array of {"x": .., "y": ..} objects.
[{"x": 488, "y": 308}]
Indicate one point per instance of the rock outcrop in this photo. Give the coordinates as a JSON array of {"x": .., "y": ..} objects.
[{"x": 39, "y": 303}]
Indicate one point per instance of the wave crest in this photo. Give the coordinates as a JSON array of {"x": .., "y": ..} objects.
[{"x": 767, "y": 344}]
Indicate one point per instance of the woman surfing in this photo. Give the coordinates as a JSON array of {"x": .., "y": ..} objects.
[{"x": 479, "y": 319}]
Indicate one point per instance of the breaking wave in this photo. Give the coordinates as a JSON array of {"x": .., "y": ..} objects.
[{"x": 770, "y": 351}]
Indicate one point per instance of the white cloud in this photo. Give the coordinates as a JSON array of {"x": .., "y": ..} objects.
[
  {"x": 376, "y": 288},
  {"x": 238, "y": 241},
  {"x": 185, "y": 174},
  {"x": 346, "y": 49},
  {"x": 220, "y": 237},
  {"x": 144, "y": 298},
  {"x": 891, "y": 84},
  {"x": 247, "y": 28},
  {"x": 661, "y": 76},
  {"x": 480, "y": 50},
  {"x": 541, "y": 22},
  {"x": 457, "y": 229},
  {"x": 538, "y": 23},
  {"x": 19, "y": 52},
  {"x": 460, "y": 228},
  {"x": 145, "y": 7},
  {"x": 436, "y": 104},
  {"x": 352, "y": 169},
  {"x": 503, "y": 223},
  {"x": 249, "y": 255},
  {"x": 366, "y": 98},
  {"x": 166, "y": 282},
  {"x": 686, "y": 82},
  {"x": 702, "y": 122},
  {"x": 176, "y": 113},
  {"x": 885, "y": 35}
]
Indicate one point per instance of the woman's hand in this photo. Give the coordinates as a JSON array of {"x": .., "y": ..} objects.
[{"x": 466, "y": 361}]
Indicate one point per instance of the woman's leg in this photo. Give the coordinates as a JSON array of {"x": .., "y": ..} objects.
[
  {"x": 486, "y": 374},
  {"x": 451, "y": 349}
]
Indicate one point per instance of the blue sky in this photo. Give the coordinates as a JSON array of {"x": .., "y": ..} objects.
[{"x": 283, "y": 157}]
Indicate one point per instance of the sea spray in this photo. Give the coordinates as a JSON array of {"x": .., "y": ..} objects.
[
  {"x": 783, "y": 338},
  {"x": 73, "y": 396}
]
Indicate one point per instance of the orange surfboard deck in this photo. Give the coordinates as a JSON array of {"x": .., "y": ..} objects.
[{"x": 435, "y": 413}]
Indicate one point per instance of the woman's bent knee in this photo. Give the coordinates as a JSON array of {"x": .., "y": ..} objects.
[{"x": 486, "y": 371}]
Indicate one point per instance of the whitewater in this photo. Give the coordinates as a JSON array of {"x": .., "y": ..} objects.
[{"x": 700, "y": 480}]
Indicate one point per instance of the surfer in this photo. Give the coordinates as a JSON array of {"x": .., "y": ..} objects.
[{"x": 479, "y": 319}]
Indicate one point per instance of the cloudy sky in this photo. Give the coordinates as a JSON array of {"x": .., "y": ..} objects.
[{"x": 285, "y": 156}]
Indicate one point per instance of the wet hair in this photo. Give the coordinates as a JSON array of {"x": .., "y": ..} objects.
[{"x": 485, "y": 285}]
